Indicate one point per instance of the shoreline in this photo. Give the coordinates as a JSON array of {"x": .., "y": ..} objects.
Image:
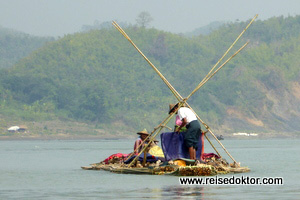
[
  {"x": 62, "y": 137},
  {"x": 116, "y": 137}
]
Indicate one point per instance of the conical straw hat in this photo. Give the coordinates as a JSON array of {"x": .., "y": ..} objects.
[
  {"x": 172, "y": 107},
  {"x": 143, "y": 132}
]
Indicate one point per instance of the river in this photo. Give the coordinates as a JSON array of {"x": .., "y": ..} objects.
[{"x": 50, "y": 169}]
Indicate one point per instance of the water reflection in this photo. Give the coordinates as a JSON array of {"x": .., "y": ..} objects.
[
  {"x": 183, "y": 192},
  {"x": 168, "y": 192}
]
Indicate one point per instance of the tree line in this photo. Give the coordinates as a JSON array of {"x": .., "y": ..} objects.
[{"x": 98, "y": 77}]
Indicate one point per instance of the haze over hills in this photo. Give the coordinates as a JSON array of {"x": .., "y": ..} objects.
[
  {"x": 98, "y": 78},
  {"x": 205, "y": 30},
  {"x": 15, "y": 45}
]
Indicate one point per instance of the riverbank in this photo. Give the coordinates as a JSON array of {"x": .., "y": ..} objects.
[
  {"x": 63, "y": 130},
  {"x": 116, "y": 136},
  {"x": 66, "y": 129}
]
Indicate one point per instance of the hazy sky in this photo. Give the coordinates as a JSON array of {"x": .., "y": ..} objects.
[{"x": 59, "y": 17}]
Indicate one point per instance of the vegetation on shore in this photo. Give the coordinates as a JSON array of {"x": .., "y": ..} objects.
[{"x": 98, "y": 79}]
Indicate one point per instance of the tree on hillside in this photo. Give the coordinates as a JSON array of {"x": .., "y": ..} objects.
[
  {"x": 16, "y": 45},
  {"x": 159, "y": 49},
  {"x": 144, "y": 19},
  {"x": 98, "y": 77}
]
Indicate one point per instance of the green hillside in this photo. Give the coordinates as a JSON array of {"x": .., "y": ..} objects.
[
  {"x": 97, "y": 77},
  {"x": 15, "y": 45}
]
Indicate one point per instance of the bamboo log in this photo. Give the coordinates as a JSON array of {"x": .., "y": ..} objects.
[
  {"x": 227, "y": 50},
  {"x": 173, "y": 90},
  {"x": 176, "y": 94},
  {"x": 200, "y": 118},
  {"x": 208, "y": 76},
  {"x": 211, "y": 75}
]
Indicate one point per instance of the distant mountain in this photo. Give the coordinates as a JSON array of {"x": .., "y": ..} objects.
[
  {"x": 102, "y": 25},
  {"x": 206, "y": 30},
  {"x": 98, "y": 77},
  {"x": 15, "y": 45}
]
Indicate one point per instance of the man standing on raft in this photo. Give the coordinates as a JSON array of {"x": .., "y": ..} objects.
[{"x": 191, "y": 136}]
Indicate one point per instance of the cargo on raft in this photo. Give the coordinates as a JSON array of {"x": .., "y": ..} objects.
[
  {"x": 171, "y": 159},
  {"x": 180, "y": 167}
]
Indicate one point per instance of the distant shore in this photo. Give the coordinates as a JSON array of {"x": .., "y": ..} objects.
[
  {"x": 62, "y": 137},
  {"x": 125, "y": 136}
]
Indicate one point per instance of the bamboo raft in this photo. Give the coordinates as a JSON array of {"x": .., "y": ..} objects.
[{"x": 211, "y": 168}]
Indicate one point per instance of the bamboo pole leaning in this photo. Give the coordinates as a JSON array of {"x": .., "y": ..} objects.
[
  {"x": 173, "y": 90},
  {"x": 211, "y": 75},
  {"x": 207, "y": 77},
  {"x": 202, "y": 120},
  {"x": 176, "y": 94},
  {"x": 231, "y": 46}
]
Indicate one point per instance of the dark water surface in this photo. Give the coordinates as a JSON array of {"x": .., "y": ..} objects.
[{"x": 50, "y": 169}]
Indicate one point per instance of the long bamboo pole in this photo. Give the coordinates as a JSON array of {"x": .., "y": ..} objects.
[
  {"x": 176, "y": 94},
  {"x": 208, "y": 76},
  {"x": 201, "y": 84},
  {"x": 227, "y": 51},
  {"x": 202, "y": 120},
  {"x": 173, "y": 90}
]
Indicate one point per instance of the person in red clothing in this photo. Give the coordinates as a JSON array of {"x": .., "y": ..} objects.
[{"x": 137, "y": 145}]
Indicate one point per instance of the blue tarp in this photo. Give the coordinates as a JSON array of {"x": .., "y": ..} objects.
[{"x": 174, "y": 148}]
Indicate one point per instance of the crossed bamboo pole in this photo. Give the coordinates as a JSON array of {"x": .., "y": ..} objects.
[
  {"x": 203, "y": 81},
  {"x": 178, "y": 96},
  {"x": 183, "y": 101}
]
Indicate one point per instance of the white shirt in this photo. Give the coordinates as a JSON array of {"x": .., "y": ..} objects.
[{"x": 184, "y": 112}]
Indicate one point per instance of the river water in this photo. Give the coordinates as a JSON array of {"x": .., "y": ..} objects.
[{"x": 50, "y": 169}]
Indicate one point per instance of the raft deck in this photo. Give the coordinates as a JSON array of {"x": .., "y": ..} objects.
[{"x": 198, "y": 170}]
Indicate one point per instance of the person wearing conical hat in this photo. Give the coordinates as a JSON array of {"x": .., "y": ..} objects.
[
  {"x": 137, "y": 145},
  {"x": 193, "y": 132},
  {"x": 178, "y": 122}
]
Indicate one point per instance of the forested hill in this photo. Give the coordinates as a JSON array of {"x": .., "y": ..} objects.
[
  {"x": 99, "y": 77},
  {"x": 15, "y": 45}
]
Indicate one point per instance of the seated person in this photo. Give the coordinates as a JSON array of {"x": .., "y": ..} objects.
[{"x": 137, "y": 145}]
